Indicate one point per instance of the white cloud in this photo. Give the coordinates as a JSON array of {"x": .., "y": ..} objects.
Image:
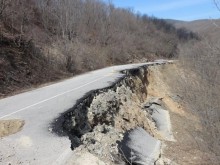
[{"x": 175, "y": 5}]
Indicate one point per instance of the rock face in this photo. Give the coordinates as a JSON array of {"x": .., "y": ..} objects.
[
  {"x": 139, "y": 147},
  {"x": 103, "y": 118}
]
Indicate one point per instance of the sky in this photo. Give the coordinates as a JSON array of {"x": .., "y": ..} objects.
[{"x": 186, "y": 10}]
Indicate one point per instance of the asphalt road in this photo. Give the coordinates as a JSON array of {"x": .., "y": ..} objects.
[{"x": 35, "y": 144}]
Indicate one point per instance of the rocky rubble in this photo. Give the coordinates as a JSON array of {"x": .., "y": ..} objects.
[
  {"x": 139, "y": 147},
  {"x": 101, "y": 120}
]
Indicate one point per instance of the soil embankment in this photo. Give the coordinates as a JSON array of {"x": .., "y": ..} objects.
[
  {"x": 99, "y": 122},
  {"x": 145, "y": 97}
]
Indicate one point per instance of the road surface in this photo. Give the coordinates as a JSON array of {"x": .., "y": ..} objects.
[{"x": 35, "y": 144}]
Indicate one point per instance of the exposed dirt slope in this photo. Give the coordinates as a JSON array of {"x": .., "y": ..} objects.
[{"x": 192, "y": 145}]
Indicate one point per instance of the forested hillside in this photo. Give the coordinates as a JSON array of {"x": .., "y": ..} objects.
[{"x": 43, "y": 40}]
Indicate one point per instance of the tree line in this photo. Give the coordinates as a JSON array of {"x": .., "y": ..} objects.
[{"x": 83, "y": 30}]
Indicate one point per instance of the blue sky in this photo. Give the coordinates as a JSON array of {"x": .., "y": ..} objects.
[{"x": 172, "y": 9}]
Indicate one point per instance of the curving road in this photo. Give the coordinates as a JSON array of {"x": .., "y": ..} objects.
[{"x": 35, "y": 144}]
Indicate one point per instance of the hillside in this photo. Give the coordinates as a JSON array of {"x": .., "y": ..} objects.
[
  {"x": 199, "y": 63},
  {"x": 209, "y": 28},
  {"x": 46, "y": 41},
  {"x": 22, "y": 65}
]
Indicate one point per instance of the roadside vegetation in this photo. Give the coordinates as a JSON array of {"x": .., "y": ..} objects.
[
  {"x": 42, "y": 41},
  {"x": 200, "y": 89}
]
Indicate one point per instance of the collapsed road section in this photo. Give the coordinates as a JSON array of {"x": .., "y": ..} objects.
[{"x": 120, "y": 124}]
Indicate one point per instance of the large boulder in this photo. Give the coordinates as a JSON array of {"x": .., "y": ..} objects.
[
  {"x": 162, "y": 119},
  {"x": 139, "y": 147}
]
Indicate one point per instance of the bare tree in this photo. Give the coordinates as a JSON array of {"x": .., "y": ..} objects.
[
  {"x": 3, "y": 5},
  {"x": 217, "y": 4}
]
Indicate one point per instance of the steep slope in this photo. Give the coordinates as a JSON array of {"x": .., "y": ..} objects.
[
  {"x": 22, "y": 65},
  {"x": 195, "y": 128}
]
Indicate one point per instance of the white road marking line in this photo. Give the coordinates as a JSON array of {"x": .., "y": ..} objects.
[{"x": 22, "y": 109}]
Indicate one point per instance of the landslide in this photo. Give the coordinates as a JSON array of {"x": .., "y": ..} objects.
[
  {"x": 103, "y": 116},
  {"x": 22, "y": 65},
  {"x": 100, "y": 122}
]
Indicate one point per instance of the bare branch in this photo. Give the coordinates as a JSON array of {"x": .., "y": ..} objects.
[{"x": 216, "y": 2}]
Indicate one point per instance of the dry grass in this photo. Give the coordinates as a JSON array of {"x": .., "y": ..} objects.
[
  {"x": 201, "y": 88},
  {"x": 198, "y": 85},
  {"x": 196, "y": 138}
]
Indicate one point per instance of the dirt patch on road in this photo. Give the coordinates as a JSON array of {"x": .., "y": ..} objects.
[{"x": 9, "y": 127}]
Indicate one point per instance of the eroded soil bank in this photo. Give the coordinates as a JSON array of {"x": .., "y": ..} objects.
[
  {"x": 99, "y": 121},
  {"x": 145, "y": 98}
]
